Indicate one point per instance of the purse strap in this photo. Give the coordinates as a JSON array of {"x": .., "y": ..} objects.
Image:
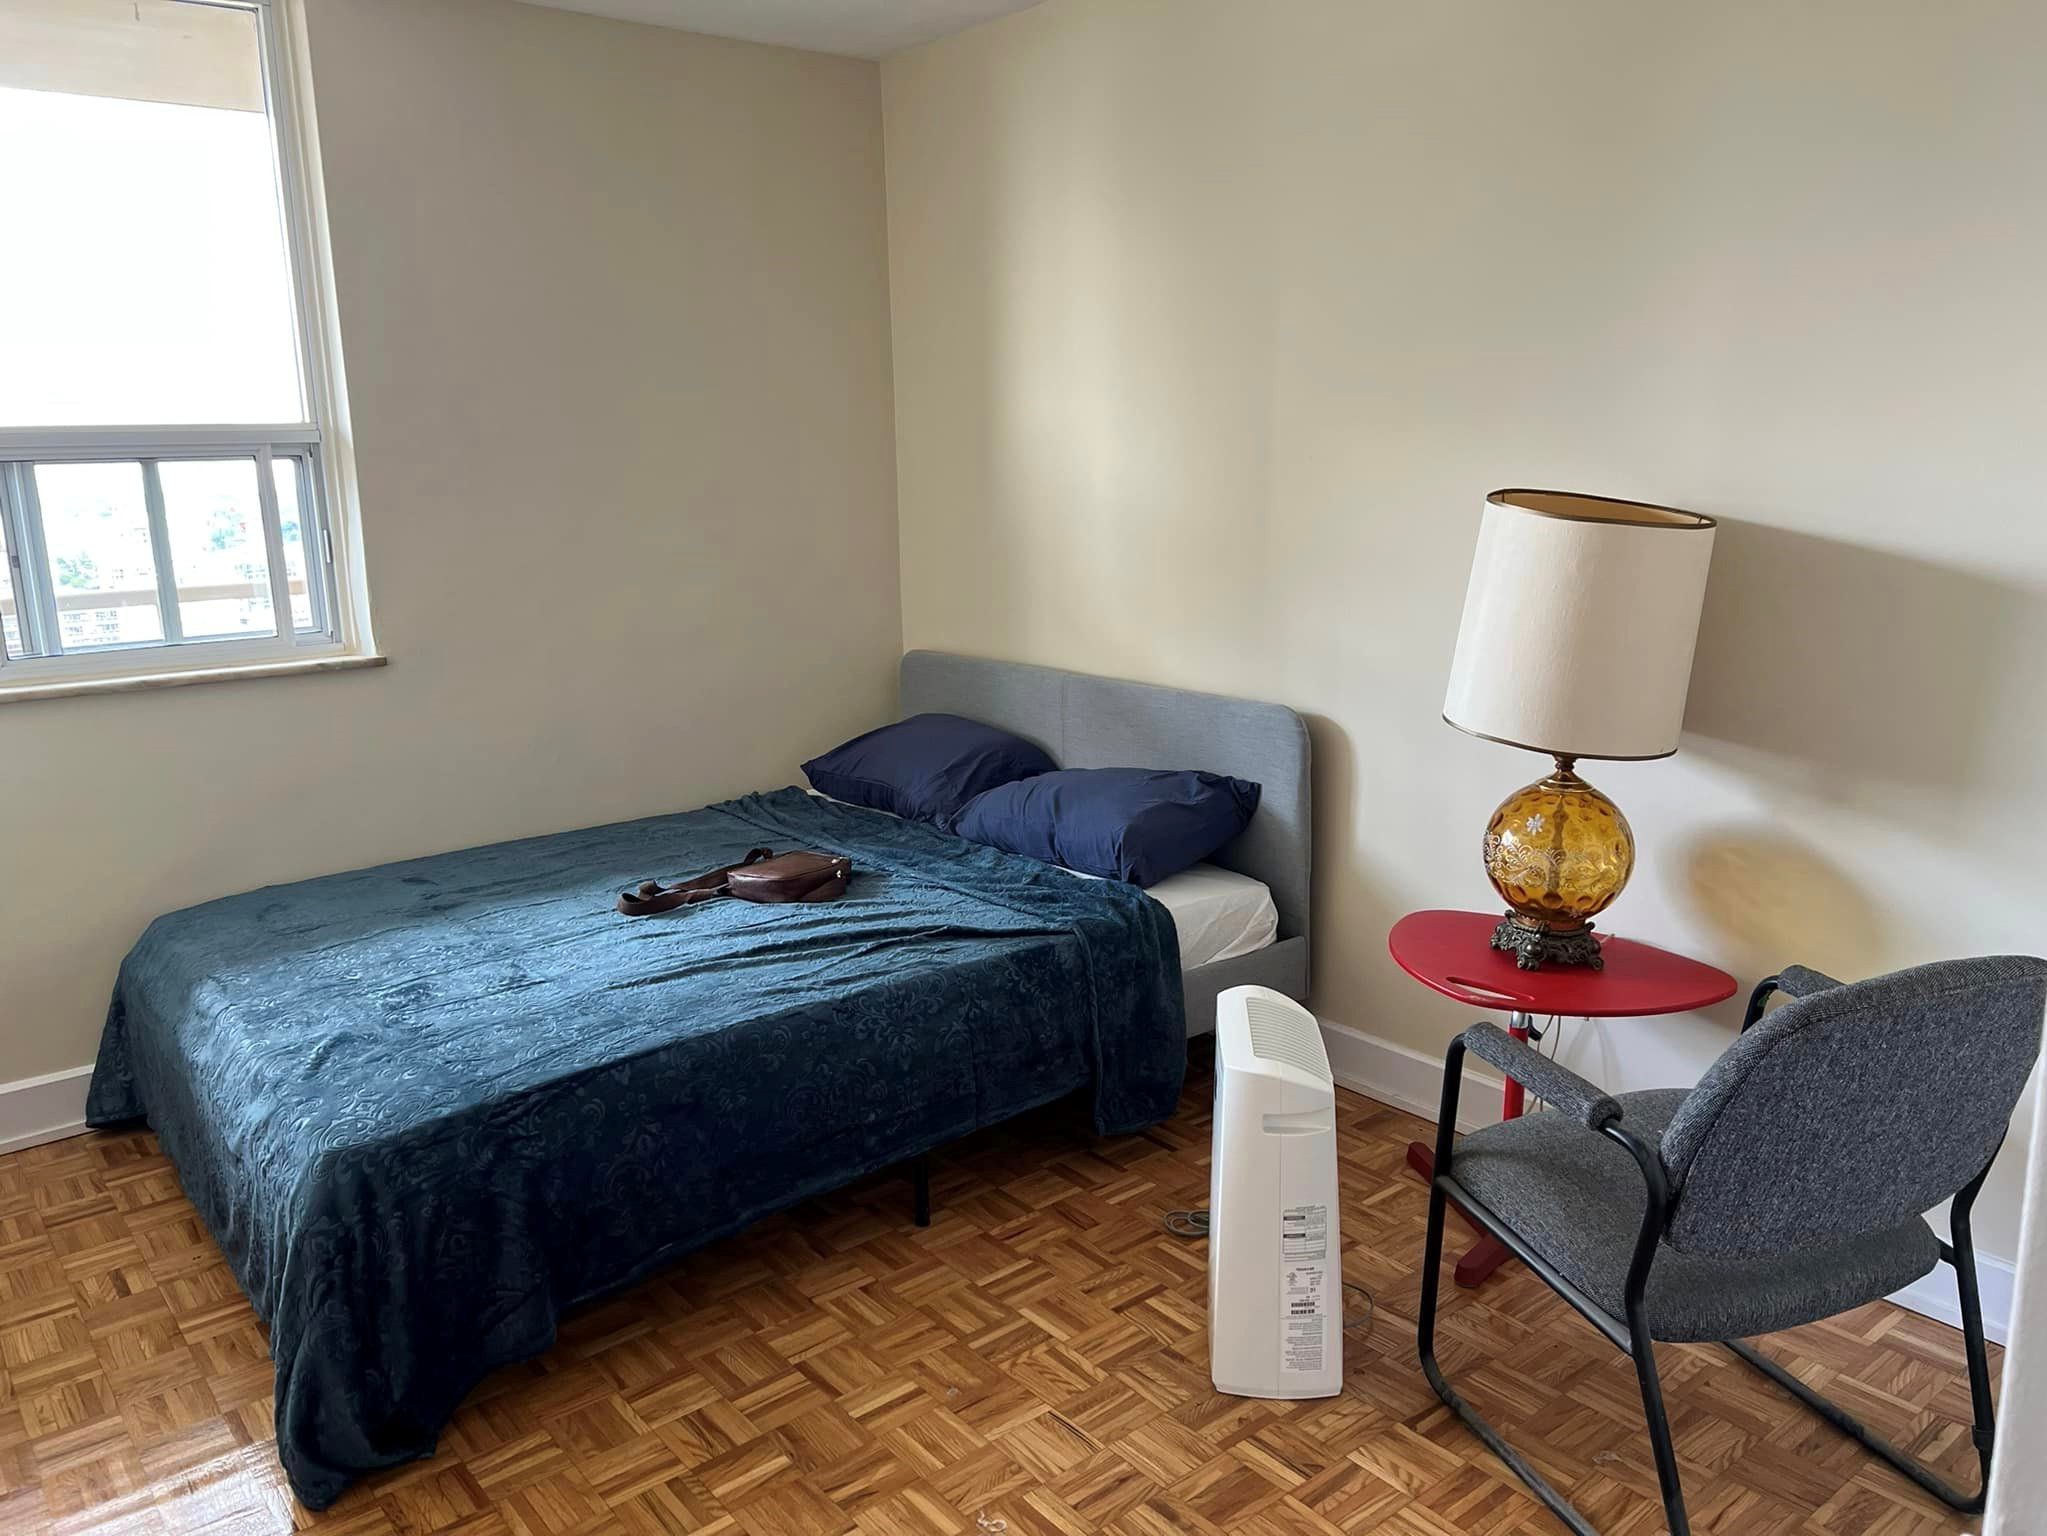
[{"x": 651, "y": 896}]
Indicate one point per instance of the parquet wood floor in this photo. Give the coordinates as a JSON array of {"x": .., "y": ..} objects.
[{"x": 1035, "y": 1361}]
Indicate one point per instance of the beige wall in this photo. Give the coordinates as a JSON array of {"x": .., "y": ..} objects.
[
  {"x": 614, "y": 303},
  {"x": 1215, "y": 322}
]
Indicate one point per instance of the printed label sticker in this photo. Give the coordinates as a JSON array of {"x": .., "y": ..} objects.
[{"x": 1304, "y": 1289}]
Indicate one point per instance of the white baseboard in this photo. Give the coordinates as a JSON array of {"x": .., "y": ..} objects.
[
  {"x": 1409, "y": 1080},
  {"x": 1935, "y": 1296},
  {"x": 1405, "y": 1078},
  {"x": 40, "y": 1109}
]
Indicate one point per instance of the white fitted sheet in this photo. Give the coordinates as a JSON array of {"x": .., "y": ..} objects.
[{"x": 1219, "y": 913}]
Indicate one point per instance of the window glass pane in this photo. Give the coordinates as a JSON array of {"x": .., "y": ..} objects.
[
  {"x": 291, "y": 514},
  {"x": 147, "y": 230},
  {"x": 96, "y": 534},
  {"x": 215, "y": 526},
  {"x": 10, "y": 608}
]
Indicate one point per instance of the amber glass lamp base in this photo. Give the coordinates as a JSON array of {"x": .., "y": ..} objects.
[{"x": 1558, "y": 852}]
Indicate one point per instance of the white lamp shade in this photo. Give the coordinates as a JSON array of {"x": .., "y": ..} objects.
[{"x": 1579, "y": 625}]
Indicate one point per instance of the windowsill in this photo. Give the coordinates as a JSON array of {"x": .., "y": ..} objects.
[{"x": 137, "y": 682}]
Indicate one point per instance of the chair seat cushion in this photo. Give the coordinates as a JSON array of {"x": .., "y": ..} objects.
[{"x": 1576, "y": 1198}]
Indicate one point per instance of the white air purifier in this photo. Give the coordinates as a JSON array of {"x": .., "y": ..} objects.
[{"x": 1275, "y": 1270}]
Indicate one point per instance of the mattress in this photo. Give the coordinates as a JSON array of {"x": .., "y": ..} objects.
[{"x": 1218, "y": 913}]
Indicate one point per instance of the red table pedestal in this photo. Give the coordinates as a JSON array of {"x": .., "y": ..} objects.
[{"x": 1451, "y": 953}]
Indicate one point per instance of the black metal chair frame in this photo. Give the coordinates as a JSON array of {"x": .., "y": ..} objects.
[{"x": 1632, "y": 1334}]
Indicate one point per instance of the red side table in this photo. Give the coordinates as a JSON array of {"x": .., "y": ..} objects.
[{"x": 1449, "y": 952}]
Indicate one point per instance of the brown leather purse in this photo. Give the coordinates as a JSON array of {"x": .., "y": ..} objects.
[{"x": 760, "y": 876}]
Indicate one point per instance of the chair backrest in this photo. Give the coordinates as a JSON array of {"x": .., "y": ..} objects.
[{"x": 1850, "y": 1110}]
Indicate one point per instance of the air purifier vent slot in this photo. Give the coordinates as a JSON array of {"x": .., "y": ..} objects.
[{"x": 1287, "y": 1035}]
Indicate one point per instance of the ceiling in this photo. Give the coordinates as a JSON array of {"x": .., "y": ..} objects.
[{"x": 865, "y": 29}]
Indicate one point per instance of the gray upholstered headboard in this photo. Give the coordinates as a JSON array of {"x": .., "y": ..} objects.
[{"x": 1100, "y": 722}]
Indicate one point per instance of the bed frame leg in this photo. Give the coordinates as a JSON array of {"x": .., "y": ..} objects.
[{"x": 920, "y": 1183}]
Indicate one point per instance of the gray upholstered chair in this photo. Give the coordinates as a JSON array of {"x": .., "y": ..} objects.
[{"x": 1785, "y": 1188}]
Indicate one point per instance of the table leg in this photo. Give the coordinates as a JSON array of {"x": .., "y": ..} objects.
[
  {"x": 1480, "y": 1260},
  {"x": 1489, "y": 1253}
]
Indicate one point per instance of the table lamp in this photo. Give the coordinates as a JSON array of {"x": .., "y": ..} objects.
[{"x": 1577, "y": 641}]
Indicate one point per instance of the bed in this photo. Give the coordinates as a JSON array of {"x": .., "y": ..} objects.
[
  {"x": 1098, "y": 722},
  {"x": 425, "y": 1109}
]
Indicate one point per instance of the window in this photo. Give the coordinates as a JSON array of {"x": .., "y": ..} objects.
[{"x": 165, "y": 474}]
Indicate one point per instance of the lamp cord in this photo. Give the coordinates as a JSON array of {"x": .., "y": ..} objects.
[{"x": 1552, "y": 1036}]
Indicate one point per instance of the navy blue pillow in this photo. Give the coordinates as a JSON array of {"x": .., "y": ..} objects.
[
  {"x": 924, "y": 768},
  {"x": 1135, "y": 824}
]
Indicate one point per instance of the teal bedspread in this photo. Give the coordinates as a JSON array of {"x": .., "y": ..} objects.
[{"x": 425, "y": 1108}]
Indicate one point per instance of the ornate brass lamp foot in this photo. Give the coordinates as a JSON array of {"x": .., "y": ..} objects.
[{"x": 1533, "y": 946}]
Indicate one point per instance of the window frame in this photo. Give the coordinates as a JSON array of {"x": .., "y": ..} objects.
[{"x": 340, "y": 620}]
